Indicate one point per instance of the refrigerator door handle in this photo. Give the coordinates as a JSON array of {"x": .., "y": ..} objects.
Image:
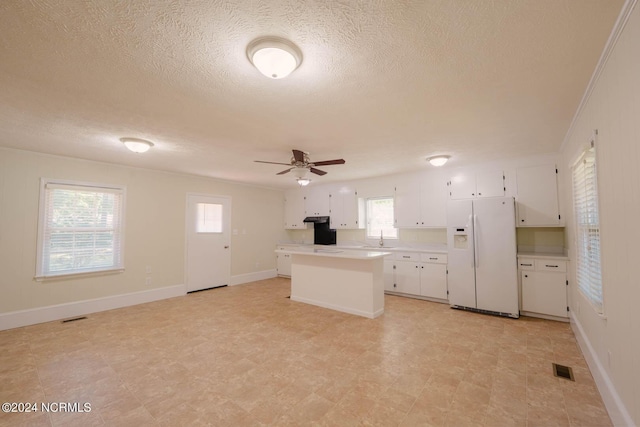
[
  {"x": 475, "y": 241},
  {"x": 470, "y": 226}
]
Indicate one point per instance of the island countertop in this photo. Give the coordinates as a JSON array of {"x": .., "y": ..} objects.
[{"x": 333, "y": 252}]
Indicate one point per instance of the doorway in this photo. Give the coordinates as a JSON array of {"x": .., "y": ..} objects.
[{"x": 208, "y": 246}]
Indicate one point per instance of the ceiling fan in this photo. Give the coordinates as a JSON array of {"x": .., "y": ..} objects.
[{"x": 301, "y": 164}]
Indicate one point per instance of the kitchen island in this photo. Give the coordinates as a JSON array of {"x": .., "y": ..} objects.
[{"x": 348, "y": 281}]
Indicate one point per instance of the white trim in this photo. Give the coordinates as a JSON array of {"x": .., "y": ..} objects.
[
  {"x": 16, "y": 319},
  {"x": 615, "y": 407},
  {"x": 370, "y": 315},
  {"x": 623, "y": 17},
  {"x": 253, "y": 277}
]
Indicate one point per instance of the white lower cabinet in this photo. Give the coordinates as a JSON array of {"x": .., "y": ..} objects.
[
  {"x": 543, "y": 284},
  {"x": 433, "y": 276},
  {"x": 420, "y": 274},
  {"x": 389, "y": 278},
  {"x": 283, "y": 263},
  {"x": 408, "y": 277}
]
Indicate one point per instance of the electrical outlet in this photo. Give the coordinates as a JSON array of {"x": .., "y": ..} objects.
[
  {"x": 148, "y": 269},
  {"x": 147, "y": 281},
  {"x": 235, "y": 231},
  {"x": 257, "y": 265}
]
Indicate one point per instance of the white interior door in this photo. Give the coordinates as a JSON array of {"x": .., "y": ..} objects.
[{"x": 208, "y": 252}]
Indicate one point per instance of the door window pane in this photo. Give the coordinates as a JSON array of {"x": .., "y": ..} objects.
[{"x": 209, "y": 219}]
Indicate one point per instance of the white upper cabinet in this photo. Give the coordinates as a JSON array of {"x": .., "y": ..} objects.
[
  {"x": 344, "y": 209},
  {"x": 420, "y": 201},
  {"x": 472, "y": 185},
  {"x": 406, "y": 202},
  {"x": 294, "y": 212},
  {"x": 433, "y": 201},
  {"x": 317, "y": 202},
  {"x": 537, "y": 196}
]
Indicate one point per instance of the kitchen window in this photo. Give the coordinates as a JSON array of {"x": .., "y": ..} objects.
[
  {"x": 587, "y": 219},
  {"x": 80, "y": 229},
  {"x": 379, "y": 212}
]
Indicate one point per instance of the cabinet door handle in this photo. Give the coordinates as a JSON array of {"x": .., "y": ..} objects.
[
  {"x": 526, "y": 275},
  {"x": 553, "y": 266},
  {"x": 528, "y": 265},
  {"x": 434, "y": 258},
  {"x": 405, "y": 256}
]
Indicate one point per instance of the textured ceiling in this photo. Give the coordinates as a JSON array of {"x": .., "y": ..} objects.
[{"x": 382, "y": 83}]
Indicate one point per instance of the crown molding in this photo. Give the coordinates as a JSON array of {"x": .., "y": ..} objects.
[{"x": 621, "y": 22}]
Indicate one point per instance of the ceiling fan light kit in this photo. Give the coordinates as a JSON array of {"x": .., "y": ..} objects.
[
  {"x": 438, "y": 160},
  {"x": 137, "y": 145},
  {"x": 303, "y": 181},
  {"x": 274, "y": 57}
]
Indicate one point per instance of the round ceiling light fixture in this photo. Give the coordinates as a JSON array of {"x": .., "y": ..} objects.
[
  {"x": 137, "y": 145},
  {"x": 274, "y": 57},
  {"x": 438, "y": 160},
  {"x": 303, "y": 181}
]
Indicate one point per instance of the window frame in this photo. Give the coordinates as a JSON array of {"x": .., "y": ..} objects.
[
  {"x": 584, "y": 265},
  {"x": 368, "y": 219},
  {"x": 40, "y": 274}
]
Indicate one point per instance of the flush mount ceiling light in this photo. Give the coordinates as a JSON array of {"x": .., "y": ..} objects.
[
  {"x": 274, "y": 57},
  {"x": 438, "y": 160},
  {"x": 137, "y": 145}
]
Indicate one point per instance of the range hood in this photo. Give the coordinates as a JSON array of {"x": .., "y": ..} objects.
[{"x": 317, "y": 219}]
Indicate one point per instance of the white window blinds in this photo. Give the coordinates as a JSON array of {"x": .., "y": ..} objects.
[
  {"x": 80, "y": 230},
  {"x": 585, "y": 199}
]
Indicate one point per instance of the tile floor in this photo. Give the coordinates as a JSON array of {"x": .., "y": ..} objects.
[{"x": 247, "y": 355}]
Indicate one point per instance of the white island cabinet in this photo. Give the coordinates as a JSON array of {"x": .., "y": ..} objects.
[{"x": 342, "y": 280}]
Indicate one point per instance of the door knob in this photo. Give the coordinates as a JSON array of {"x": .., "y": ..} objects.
[{"x": 226, "y": 246}]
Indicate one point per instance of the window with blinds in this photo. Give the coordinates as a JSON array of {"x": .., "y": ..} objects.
[
  {"x": 585, "y": 200},
  {"x": 379, "y": 214},
  {"x": 80, "y": 228}
]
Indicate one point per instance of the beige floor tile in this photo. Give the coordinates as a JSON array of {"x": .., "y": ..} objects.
[{"x": 247, "y": 355}]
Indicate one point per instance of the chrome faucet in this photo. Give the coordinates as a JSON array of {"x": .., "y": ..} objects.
[{"x": 381, "y": 242}]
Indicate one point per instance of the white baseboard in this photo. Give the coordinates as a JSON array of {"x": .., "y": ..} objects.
[
  {"x": 16, "y": 319},
  {"x": 253, "y": 277},
  {"x": 617, "y": 411},
  {"x": 370, "y": 315}
]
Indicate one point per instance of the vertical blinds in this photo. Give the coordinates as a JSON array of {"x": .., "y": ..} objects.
[
  {"x": 82, "y": 229},
  {"x": 585, "y": 194}
]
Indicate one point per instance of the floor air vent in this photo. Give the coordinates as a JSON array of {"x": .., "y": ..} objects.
[
  {"x": 74, "y": 319},
  {"x": 563, "y": 372}
]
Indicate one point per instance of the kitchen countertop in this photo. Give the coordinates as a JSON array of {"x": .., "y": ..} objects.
[
  {"x": 440, "y": 249},
  {"x": 540, "y": 255},
  {"x": 333, "y": 252}
]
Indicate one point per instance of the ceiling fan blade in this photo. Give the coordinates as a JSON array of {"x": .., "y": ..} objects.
[
  {"x": 329, "y": 162},
  {"x": 272, "y": 163},
  {"x": 284, "y": 171},
  {"x": 298, "y": 155},
  {"x": 317, "y": 171}
]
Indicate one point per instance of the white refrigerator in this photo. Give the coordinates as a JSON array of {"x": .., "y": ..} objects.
[{"x": 481, "y": 239}]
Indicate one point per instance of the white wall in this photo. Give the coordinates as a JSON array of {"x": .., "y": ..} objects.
[
  {"x": 613, "y": 108},
  {"x": 155, "y": 228}
]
